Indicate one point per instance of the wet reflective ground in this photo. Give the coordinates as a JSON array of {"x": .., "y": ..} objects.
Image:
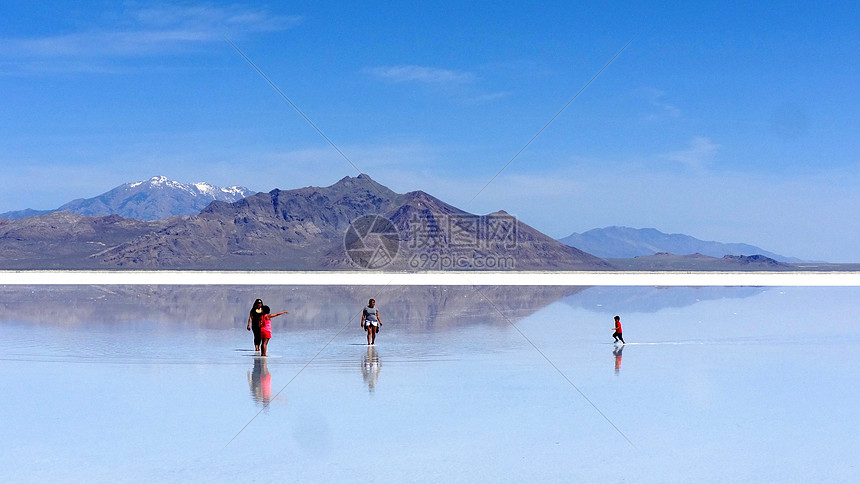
[{"x": 510, "y": 384}]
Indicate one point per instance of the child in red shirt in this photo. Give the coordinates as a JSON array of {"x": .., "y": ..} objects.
[
  {"x": 266, "y": 328},
  {"x": 617, "y": 333}
]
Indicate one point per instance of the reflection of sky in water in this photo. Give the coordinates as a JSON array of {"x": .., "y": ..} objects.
[{"x": 726, "y": 384}]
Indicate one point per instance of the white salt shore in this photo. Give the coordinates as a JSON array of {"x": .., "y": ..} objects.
[{"x": 603, "y": 278}]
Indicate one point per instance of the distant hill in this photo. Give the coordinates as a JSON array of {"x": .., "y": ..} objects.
[
  {"x": 27, "y": 212},
  {"x": 626, "y": 242},
  {"x": 153, "y": 199},
  {"x": 65, "y": 240},
  {"x": 664, "y": 261}
]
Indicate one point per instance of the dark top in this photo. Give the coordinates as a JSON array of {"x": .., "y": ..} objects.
[{"x": 256, "y": 318}]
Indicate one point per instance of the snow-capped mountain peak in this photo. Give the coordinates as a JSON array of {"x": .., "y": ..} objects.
[
  {"x": 156, "y": 181},
  {"x": 206, "y": 188},
  {"x": 156, "y": 198}
]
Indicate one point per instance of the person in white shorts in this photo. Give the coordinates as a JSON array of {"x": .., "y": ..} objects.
[{"x": 371, "y": 321}]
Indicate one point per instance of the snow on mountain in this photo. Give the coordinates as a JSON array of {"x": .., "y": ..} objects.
[
  {"x": 156, "y": 198},
  {"x": 220, "y": 193}
]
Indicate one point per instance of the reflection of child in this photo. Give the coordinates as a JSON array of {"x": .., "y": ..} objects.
[
  {"x": 261, "y": 382},
  {"x": 266, "y": 328},
  {"x": 617, "y": 352},
  {"x": 617, "y": 333},
  {"x": 266, "y": 387}
]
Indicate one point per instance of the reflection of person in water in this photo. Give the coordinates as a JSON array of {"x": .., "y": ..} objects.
[
  {"x": 617, "y": 333},
  {"x": 617, "y": 352},
  {"x": 254, "y": 322},
  {"x": 370, "y": 366},
  {"x": 260, "y": 382},
  {"x": 371, "y": 321}
]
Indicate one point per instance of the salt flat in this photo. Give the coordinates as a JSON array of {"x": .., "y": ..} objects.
[{"x": 465, "y": 384}]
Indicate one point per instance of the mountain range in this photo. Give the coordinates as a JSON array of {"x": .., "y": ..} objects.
[
  {"x": 309, "y": 228},
  {"x": 153, "y": 199},
  {"x": 625, "y": 242},
  {"x": 355, "y": 223}
]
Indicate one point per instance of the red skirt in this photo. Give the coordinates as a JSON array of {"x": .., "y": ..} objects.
[{"x": 265, "y": 333}]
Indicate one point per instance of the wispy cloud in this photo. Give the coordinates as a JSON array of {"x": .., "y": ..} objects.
[
  {"x": 206, "y": 17},
  {"x": 698, "y": 155},
  {"x": 659, "y": 108},
  {"x": 486, "y": 98},
  {"x": 155, "y": 30},
  {"x": 422, "y": 74}
]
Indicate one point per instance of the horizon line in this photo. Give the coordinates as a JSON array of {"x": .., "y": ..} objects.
[{"x": 449, "y": 278}]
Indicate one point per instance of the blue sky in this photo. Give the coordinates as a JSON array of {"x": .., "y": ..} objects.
[{"x": 724, "y": 121}]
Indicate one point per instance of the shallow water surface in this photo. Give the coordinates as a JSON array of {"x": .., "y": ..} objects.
[{"x": 137, "y": 384}]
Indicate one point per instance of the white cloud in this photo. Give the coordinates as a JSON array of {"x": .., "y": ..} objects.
[
  {"x": 422, "y": 74},
  {"x": 207, "y": 17},
  {"x": 660, "y": 109},
  {"x": 698, "y": 155},
  {"x": 147, "y": 31},
  {"x": 485, "y": 98}
]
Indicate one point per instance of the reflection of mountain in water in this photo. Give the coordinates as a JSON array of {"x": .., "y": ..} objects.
[
  {"x": 631, "y": 299},
  {"x": 420, "y": 308}
]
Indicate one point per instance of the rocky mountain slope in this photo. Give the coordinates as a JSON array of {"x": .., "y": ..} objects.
[{"x": 64, "y": 240}]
